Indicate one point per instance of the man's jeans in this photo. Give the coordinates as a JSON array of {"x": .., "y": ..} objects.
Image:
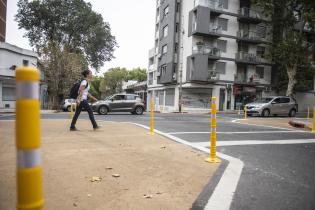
[{"x": 78, "y": 110}]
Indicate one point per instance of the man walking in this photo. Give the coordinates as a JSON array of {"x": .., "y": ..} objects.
[{"x": 82, "y": 101}]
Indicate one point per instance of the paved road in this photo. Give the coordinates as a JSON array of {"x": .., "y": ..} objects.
[{"x": 277, "y": 174}]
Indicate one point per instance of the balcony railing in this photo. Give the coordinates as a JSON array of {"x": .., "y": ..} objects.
[
  {"x": 213, "y": 4},
  {"x": 250, "y": 13},
  {"x": 204, "y": 49},
  {"x": 250, "y": 58},
  {"x": 251, "y": 36},
  {"x": 215, "y": 29},
  {"x": 213, "y": 75}
]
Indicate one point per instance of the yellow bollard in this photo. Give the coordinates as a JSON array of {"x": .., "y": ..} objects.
[
  {"x": 313, "y": 129},
  {"x": 245, "y": 113},
  {"x": 29, "y": 171},
  {"x": 213, "y": 137},
  {"x": 308, "y": 113},
  {"x": 151, "y": 117}
]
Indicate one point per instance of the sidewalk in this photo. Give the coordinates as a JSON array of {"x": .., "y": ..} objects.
[
  {"x": 302, "y": 123},
  {"x": 79, "y": 168}
]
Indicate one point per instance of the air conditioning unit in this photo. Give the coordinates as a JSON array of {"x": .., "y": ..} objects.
[{"x": 159, "y": 56}]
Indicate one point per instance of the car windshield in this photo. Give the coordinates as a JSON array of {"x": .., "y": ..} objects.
[{"x": 263, "y": 100}]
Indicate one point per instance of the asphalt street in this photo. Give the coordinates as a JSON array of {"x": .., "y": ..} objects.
[{"x": 275, "y": 175}]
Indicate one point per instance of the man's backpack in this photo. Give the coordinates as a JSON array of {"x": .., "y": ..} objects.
[{"x": 74, "y": 91}]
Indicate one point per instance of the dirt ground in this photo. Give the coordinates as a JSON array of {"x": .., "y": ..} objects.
[{"x": 154, "y": 172}]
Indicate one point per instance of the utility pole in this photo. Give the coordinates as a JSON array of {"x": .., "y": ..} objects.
[{"x": 181, "y": 34}]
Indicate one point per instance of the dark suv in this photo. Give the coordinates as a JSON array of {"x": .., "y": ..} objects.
[{"x": 120, "y": 103}]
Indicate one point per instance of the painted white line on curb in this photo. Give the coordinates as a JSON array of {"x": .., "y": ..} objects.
[
  {"x": 223, "y": 193},
  {"x": 257, "y": 142},
  {"x": 239, "y": 132},
  {"x": 267, "y": 126}
]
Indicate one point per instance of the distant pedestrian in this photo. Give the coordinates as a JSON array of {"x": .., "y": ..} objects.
[{"x": 82, "y": 102}]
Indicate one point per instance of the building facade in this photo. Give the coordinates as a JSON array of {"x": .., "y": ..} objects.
[
  {"x": 10, "y": 58},
  {"x": 206, "y": 48},
  {"x": 3, "y": 14}
]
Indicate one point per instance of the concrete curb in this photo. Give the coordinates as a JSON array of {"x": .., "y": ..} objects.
[{"x": 300, "y": 124}]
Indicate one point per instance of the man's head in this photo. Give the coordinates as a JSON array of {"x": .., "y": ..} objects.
[{"x": 87, "y": 74}]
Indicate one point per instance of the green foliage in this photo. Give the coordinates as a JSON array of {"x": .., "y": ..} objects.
[
  {"x": 292, "y": 45},
  {"x": 112, "y": 81},
  {"x": 137, "y": 74},
  {"x": 95, "y": 87},
  {"x": 61, "y": 68},
  {"x": 70, "y": 24}
]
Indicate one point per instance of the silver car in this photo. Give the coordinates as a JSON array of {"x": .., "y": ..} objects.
[
  {"x": 274, "y": 105},
  {"x": 120, "y": 103}
]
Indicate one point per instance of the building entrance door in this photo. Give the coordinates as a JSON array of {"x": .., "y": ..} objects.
[{"x": 222, "y": 99}]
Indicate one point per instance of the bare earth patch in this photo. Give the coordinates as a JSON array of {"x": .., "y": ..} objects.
[{"x": 119, "y": 166}]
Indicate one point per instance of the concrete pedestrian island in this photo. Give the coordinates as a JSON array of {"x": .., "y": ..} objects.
[{"x": 119, "y": 166}]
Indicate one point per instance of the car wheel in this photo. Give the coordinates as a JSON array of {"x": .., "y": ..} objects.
[
  {"x": 69, "y": 108},
  {"x": 265, "y": 113},
  {"x": 292, "y": 113},
  {"x": 103, "y": 110},
  {"x": 139, "y": 110}
]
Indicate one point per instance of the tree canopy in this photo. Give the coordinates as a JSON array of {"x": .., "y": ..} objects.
[
  {"x": 71, "y": 24},
  {"x": 292, "y": 51}
]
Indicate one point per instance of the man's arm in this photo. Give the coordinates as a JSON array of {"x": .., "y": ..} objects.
[
  {"x": 81, "y": 89},
  {"x": 89, "y": 95}
]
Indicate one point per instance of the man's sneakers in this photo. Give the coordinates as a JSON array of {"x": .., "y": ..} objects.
[
  {"x": 73, "y": 129},
  {"x": 97, "y": 128}
]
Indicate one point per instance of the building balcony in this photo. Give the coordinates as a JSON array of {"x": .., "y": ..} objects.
[
  {"x": 251, "y": 59},
  {"x": 251, "y": 37},
  {"x": 248, "y": 15},
  {"x": 215, "y": 6},
  {"x": 212, "y": 52},
  {"x": 213, "y": 75}
]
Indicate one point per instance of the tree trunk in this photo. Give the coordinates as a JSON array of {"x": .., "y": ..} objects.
[{"x": 291, "y": 71}]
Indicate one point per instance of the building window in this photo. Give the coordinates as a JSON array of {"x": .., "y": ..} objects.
[
  {"x": 222, "y": 45},
  {"x": 166, "y": 10},
  {"x": 165, "y": 31},
  {"x": 223, "y": 24},
  {"x": 163, "y": 69},
  {"x": 164, "y": 49},
  {"x": 176, "y": 48},
  {"x": 8, "y": 93},
  {"x": 169, "y": 97},
  {"x": 220, "y": 67},
  {"x": 260, "y": 51},
  {"x": 224, "y": 3},
  {"x": 25, "y": 62},
  {"x": 177, "y": 6},
  {"x": 176, "y": 27},
  {"x": 260, "y": 71}
]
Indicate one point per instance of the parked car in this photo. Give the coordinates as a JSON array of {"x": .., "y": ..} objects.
[
  {"x": 120, "y": 103},
  {"x": 275, "y": 105},
  {"x": 66, "y": 104}
]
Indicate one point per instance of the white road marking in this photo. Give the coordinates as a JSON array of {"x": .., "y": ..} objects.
[
  {"x": 255, "y": 142},
  {"x": 222, "y": 195},
  {"x": 267, "y": 126},
  {"x": 240, "y": 132}
]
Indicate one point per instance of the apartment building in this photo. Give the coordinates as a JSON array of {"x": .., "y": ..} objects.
[
  {"x": 206, "y": 48},
  {"x": 3, "y": 14}
]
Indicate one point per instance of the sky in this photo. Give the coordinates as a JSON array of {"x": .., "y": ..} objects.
[{"x": 131, "y": 22}]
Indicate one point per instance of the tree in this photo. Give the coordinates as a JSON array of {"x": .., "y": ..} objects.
[
  {"x": 61, "y": 68},
  {"x": 292, "y": 44},
  {"x": 137, "y": 74},
  {"x": 112, "y": 81},
  {"x": 71, "y": 25},
  {"x": 95, "y": 87}
]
